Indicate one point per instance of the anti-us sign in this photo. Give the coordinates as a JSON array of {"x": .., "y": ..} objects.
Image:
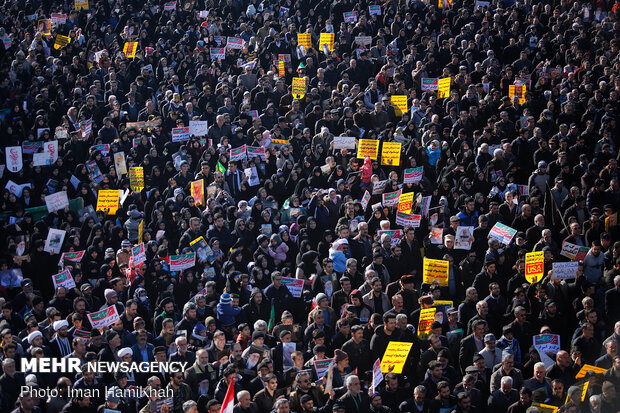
[
  {"x": 391, "y": 198},
  {"x": 534, "y": 266},
  {"x": 103, "y": 318},
  {"x": 63, "y": 279},
  {"x": 237, "y": 154},
  {"x": 573, "y": 251},
  {"x": 294, "y": 286},
  {"x": 180, "y": 134},
  {"x": 564, "y": 270},
  {"x": 395, "y": 235},
  {"x": 502, "y": 233},
  {"x": 182, "y": 262}
]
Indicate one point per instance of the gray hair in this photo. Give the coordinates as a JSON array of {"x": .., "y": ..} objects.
[
  {"x": 400, "y": 317},
  {"x": 260, "y": 324},
  {"x": 506, "y": 380},
  {"x": 572, "y": 390},
  {"x": 419, "y": 390},
  {"x": 152, "y": 380},
  {"x": 188, "y": 405},
  {"x": 301, "y": 375},
  {"x": 539, "y": 365},
  {"x": 349, "y": 379},
  {"x": 507, "y": 357},
  {"x": 279, "y": 403}
]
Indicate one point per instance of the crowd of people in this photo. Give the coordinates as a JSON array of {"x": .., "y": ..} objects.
[{"x": 298, "y": 257}]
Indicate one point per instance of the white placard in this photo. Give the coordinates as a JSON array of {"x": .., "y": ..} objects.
[
  {"x": 564, "y": 270},
  {"x": 57, "y": 201},
  {"x": 344, "y": 142},
  {"x": 63, "y": 279},
  {"x": 198, "y": 127},
  {"x": 16, "y": 189},
  {"x": 40, "y": 159}
]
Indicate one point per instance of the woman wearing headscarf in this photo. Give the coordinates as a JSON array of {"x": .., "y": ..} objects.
[
  {"x": 375, "y": 220},
  {"x": 153, "y": 197},
  {"x": 317, "y": 180},
  {"x": 361, "y": 310},
  {"x": 116, "y": 236},
  {"x": 325, "y": 244},
  {"x": 309, "y": 265},
  {"x": 186, "y": 287}
]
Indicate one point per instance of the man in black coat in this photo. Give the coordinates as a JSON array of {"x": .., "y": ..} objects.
[
  {"x": 501, "y": 399},
  {"x": 355, "y": 400},
  {"x": 418, "y": 403},
  {"x": 10, "y": 382},
  {"x": 471, "y": 345},
  {"x": 383, "y": 335},
  {"x": 612, "y": 302}
]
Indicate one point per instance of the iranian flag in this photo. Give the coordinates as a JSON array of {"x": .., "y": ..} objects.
[{"x": 229, "y": 399}]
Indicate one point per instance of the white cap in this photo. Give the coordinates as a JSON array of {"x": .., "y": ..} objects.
[
  {"x": 33, "y": 335},
  {"x": 60, "y": 324},
  {"x": 124, "y": 352}
]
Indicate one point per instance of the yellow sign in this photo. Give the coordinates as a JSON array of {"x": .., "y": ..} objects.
[
  {"x": 405, "y": 202},
  {"x": 304, "y": 39},
  {"x": 198, "y": 191},
  {"x": 136, "y": 178},
  {"x": 280, "y": 141},
  {"x": 400, "y": 104},
  {"x": 435, "y": 271},
  {"x": 390, "y": 153},
  {"x": 427, "y": 316},
  {"x": 584, "y": 390},
  {"x": 437, "y": 303},
  {"x": 443, "y": 88},
  {"x": 81, "y": 4},
  {"x": 517, "y": 90},
  {"x": 107, "y": 200},
  {"x": 534, "y": 266},
  {"x": 61, "y": 41},
  {"x": 299, "y": 87},
  {"x": 586, "y": 368},
  {"x": 395, "y": 357},
  {"x": 281, "y": 68},
  {"x": 130, "y": 49},
  {"x": 328, "y": 39},
  {"x": 45, "y": 26},
  {"x": 545, "y": 408},
  {"x": 368, "y": 147},
  {"x": 141, "y": 232}
]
